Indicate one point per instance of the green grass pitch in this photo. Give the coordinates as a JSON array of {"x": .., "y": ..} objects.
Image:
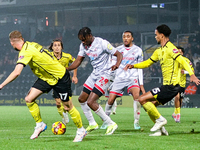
[{"x": 17, "y": 125}]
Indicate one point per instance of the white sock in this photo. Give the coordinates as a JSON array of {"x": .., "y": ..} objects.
[
  {"x": 108, "y": 109},
  {"x": 161, "y": 118},
  {"x": 137, "y": 107},
  {"x": 88, "y": 114},
  {"x": 81, "y": 129},
  {"x": 38, "y": 124},
  {"x": 103, "y": 116},
  {"x": 114, "y": 106}
]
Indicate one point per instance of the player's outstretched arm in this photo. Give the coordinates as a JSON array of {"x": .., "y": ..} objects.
[
  {"x": 76, "y": 63},
  {"x": 141, "y": 65},
  {"x": 16, "y": 72}
]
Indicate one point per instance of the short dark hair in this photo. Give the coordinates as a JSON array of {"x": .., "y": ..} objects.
[
  {"x": 182, "y": 49},
  {"x": 164, "y": 29},
  {"x": 84, "y": 31},
  {"x": 56, "y": 40},
  {"x": 128, "y": 32}
]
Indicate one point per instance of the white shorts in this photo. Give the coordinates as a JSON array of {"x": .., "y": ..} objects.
[
  {"x": 119, "y": 85},
  {"x": 100, "y": 82}
]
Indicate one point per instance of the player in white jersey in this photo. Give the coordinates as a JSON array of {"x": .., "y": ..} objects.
[
  {"x": 99, "y": 51},
  {"x": 132, "y": 54}
]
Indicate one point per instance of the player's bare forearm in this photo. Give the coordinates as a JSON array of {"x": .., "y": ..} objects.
[
  {"x": 119, "y": 59},
  {"x": 76, "y": 63},
  {"x": 16, "y": 72}
]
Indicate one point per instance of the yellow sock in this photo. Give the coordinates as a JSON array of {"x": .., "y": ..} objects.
[
  {"x": 76, "y": 117},
  {"x": 35, "y": 111},
  {"x": 61, "y": 110},
  {"x": 177, "y": 110},
  {"x": 152, "y": 111},
  {"x": 152, "y": 118}
]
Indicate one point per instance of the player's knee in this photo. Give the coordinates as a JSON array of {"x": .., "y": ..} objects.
[
  {"x": 141, "y": 100},
  {"x": 27, "y": 99},
  {"x": 89, "y": 102}
]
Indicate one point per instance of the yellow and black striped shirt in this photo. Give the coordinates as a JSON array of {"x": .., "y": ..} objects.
[
  {"x": 65, "y": 59},
  {"x": 41, "y": 62},
  {"x": 170, "y": 59}
]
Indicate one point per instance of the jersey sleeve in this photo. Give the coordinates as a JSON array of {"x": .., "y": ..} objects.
[
  {"x": 174, "y": 53},
  {"x": 154, "y": 56},
  {"x": 24, "y": 57},
  {"x": 108, "y": 47},
  {"x": 81, "y": 51}
]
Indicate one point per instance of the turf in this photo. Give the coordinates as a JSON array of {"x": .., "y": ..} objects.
[{"x": 17, "y": 125}]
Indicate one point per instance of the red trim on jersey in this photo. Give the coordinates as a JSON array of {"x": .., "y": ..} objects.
[
  {"x": 133, "y": 86},
  {"x": 89, "y": 88},
  {"x": 100, "y": 89},
  {"x": 118, "y": 94}
]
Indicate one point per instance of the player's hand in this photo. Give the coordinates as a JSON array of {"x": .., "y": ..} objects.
[
  {"x": 1, "y": 87},
  {"x": 74, "y": 80},
  {"x": 128, "y": 66},
  {"x": 114, "y": 67},
  {"x": 194, "y": 79}
]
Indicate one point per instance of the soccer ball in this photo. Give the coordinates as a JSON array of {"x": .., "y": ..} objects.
[{"x": 58, "y": 128}]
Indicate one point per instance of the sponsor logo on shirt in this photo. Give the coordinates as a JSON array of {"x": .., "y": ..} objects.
[
  {"x": 175, "y": 51},
  {"x": 20, "y": 57}
]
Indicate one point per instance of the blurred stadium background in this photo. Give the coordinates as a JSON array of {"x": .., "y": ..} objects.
[{"x": 43, "y": 21}]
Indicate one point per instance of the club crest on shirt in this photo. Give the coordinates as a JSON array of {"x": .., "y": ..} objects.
[
  {"x": 109, "y": 46},
  {"x": 20, "y": 57},
  {"x": 175, "y": 51}
]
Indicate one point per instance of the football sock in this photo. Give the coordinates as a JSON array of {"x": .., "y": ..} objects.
[
  {"x": 108, "y": 109},
  {"x": 35, "y": 111},
  {"x": 61, "y": 110},
  {"x": 103, "y": 116},
  {"x": 136, "y": 106},
  {"x": 152, "y": 111},
  {"x": 177, "y": 110},
  {"x": 76, "y": 117},
  {"x": 114, "y": 107},
  {"x": 88, "y": 114},
  {"x": 152, "y": 118}
]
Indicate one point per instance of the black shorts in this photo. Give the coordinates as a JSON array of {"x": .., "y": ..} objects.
[
  {"x": 165, "y": 93},
  {"x": 62, "y": 88},
  {"x": 182, "y": 92}
]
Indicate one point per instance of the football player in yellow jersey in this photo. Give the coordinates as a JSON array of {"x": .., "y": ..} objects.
[
  {"x": 65, "y": 59},
  {"x": 179, "y": 97},
  {"x": 170, "y": 59},
  {"x": 51, "y": 75}
]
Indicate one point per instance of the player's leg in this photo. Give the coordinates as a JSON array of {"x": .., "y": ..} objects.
[
  {"x": 108, "y": 108},
  {"x": 62, "y": 112},
  {"x": 87, "y": 111},
  {"x": 176, "y": 114},
  {"x": 145, "y": 101},
  {"x": 114, "y": 107},
  {"x": 35, "y": 111},
  {"x": 109, "y": 104},
  {"x": 161, "y": 131},
  {"x": 92, "y": 103},
  {"x": 63, "y": 87},
  {"x": 76, "y": 118},
  {"x": 136, "y": 105}
]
